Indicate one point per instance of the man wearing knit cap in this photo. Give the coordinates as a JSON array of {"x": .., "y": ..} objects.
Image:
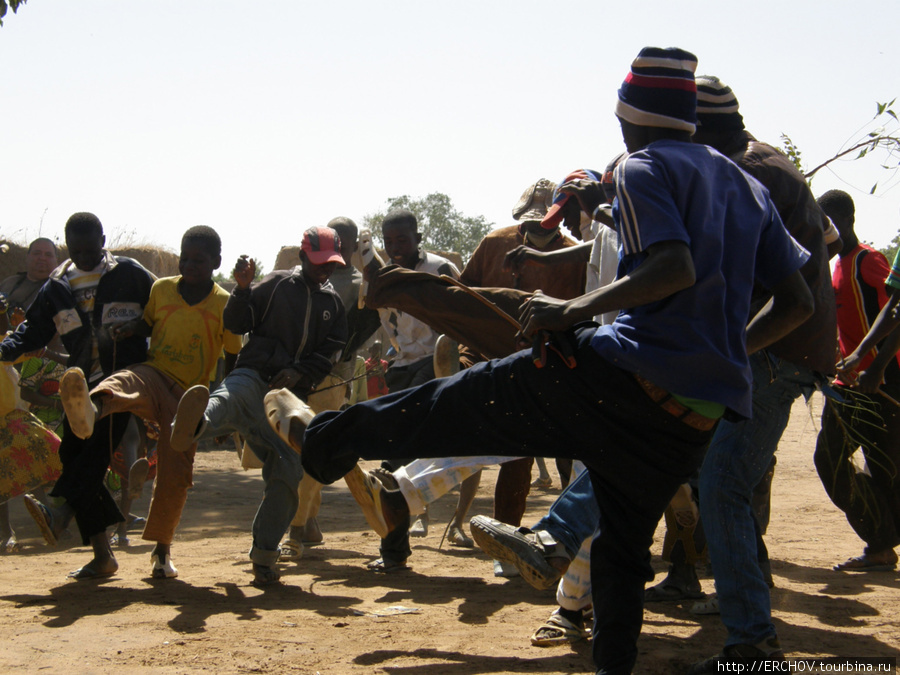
[
  {"x": 637, "y": 400},
  {"x": 742, "y": 451}
]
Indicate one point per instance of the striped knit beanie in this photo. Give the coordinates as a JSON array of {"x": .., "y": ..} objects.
[
  {"x": 659, "y": 91},
  {"x": 717, "y": 106}
]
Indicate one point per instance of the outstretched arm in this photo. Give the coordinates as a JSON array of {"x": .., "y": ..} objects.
[
  {"x": 522, "y": 256},
  {"x": 667, "y": 269},
  {"x": 887, "y": 321}
]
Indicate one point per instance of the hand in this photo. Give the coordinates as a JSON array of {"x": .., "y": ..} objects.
[
  {"x": 123, "y": 331},
  {"x": 16, "y": 316},
  {"x": 244, "y": 271},
  {"x": 521, "y": 256},
  {"x": 541, "y": 312},
  {"x": 288, "y": 378},
  {"x": 868, "y": 382},
  {"x": 850, "y": 364},
  {"x": 589, "y": 193}
]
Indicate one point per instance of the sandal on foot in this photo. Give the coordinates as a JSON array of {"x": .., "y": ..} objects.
[
  {"x": 419, "y": 528},
  {"x": 89, "y": 572},
  {"x": 190, "y": 418},
  {"x": 9, "y": 545},
  {"x": 265, "y": 576},
  {"x": 366, "y": 260},
  {"x": 381, "y": 512},
  {"x": 282, "y": 408},
  {"x": 387, "y": 566},
  {"x": 557, "y": 630},
  {"x": 42, "y": 516},
  {"x": 290, "y": 550},
  {"x": 120, "y": 541},
  {"x": 864, "y": 563},
  {"x": 542, "y": 483},
  {"x": 136, "y": 522},
  {"x": 137, "y": 476},
  {"x": 669, "y": 592},
  {"x": 456, "y": 537},
  {"x": 705, "y": 607},
  {"x": 76, "y": 401}
]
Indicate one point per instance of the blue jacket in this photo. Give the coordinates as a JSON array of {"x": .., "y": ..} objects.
[{"x": 121, "y": 294}]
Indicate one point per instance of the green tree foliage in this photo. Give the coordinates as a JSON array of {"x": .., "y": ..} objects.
[
  {"x": 9, "y": 4},
  {"x": 880, "y": 135},
  {"x": 443, "y": 228},
  {"x": 890, "y": 251},
  {"x": 220, "y": 278}
]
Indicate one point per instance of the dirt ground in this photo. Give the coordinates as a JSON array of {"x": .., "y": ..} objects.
[{"x": 466, "y": 621}]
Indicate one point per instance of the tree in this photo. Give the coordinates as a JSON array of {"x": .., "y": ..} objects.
[
  {"x": 890, "y": 251},
  {"x": 881, "y": 133},
  {"x": 443, "y": 228},
  {"x": 221, "y": 278},
  {"x": 11, "y": 4}
]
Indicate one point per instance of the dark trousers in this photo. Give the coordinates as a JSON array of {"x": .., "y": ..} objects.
[
  {"x": 395, "y": 546},
  {"x": 511, "y": 491},
  {"x": 84, "y": 464},
  {"x": 637, "y": 453},
  {"x": 871, "y": 502}
]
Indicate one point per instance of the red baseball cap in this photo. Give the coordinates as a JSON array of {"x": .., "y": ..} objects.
[{"x": 322, "y": 245}]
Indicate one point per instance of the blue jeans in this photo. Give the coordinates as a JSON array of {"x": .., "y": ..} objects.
[
  {"x": 573, "y": 516},
  {"x": 237, "y": 405},
  {"x": 736, "y": 461}
]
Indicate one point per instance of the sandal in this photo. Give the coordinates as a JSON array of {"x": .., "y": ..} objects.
[
  {"x": 290, "y": 550},
  {"x": 265, "y": 576},
  {"x": 705, "y": 607},
  {"x": 456, "y": 537},
  {"x": 865, "y": 563},
  {"x": 669, "y": 592},
  {"x": 43, "y": 517},
  {"x": 542, "y": 482},
  {"x": 91, "y": 572},
  {"x": 387, "y": 566},
  {"x": 557, "y": 630}
]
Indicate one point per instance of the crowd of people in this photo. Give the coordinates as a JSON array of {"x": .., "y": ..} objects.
[{"x": 655, "y": 354}]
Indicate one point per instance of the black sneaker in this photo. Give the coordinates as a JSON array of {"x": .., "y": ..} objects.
[{"x": 767, "y": 651}]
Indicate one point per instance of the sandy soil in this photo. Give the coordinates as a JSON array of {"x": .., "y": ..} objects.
[{"x": 320, "y": 620}]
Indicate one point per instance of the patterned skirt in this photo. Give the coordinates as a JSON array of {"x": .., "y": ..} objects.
[{"x": 28, "y": 454}]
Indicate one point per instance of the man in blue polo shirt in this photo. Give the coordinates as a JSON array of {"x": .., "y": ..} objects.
[{"x": 636, "y": 401}]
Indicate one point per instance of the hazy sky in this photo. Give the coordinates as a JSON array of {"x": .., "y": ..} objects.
[{"x": 261, "y": 119}]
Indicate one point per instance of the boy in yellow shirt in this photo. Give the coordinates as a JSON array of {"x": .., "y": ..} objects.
[{"x": 183, "y": 319}]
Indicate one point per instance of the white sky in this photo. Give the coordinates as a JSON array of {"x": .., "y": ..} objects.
[{"x": 264, "y": 118}]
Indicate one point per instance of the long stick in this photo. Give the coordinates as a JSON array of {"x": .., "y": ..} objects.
[{"x": 483, "y": 300}]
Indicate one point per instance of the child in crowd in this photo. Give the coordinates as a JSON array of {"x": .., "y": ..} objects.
[
  {"x": 183, "y": 319},
  {"x": 297, "y": 327}
]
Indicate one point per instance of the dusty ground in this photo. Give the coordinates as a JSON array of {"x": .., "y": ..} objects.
[{"x": 211, "y": 619}]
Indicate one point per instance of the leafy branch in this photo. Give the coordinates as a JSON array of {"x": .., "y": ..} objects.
[
  {"x": 882, "y": 132},
  {"x": 9, "y": 4}
]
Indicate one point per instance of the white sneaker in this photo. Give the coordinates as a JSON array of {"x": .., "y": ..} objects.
[{"x": 163, "y": 570}]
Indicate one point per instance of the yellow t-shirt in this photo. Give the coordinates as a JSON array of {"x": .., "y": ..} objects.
[{"x": 187, "y": 340}]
